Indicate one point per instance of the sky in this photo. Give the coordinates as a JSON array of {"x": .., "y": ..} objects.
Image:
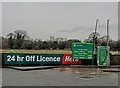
[{"x": 72, "y": 20}]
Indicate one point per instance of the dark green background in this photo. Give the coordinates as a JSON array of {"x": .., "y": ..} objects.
[
  {"x": 35, "y": 62},
  {"x": 102, "y": 55},
  {"x": 82, "y": 50}
]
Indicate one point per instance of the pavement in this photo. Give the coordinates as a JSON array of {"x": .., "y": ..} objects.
[
  {"x": 112, "y": 68},
  {"x": 64, "y": 76},
  {"x": 29, "y": 68}
]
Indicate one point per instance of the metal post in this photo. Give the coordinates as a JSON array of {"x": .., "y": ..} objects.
[
  {"x": 94, "y": 40},
  {"x": 107, "y": 32},
  {"x": 95, "y": 34},
  {"x": 108, "y": 61}
]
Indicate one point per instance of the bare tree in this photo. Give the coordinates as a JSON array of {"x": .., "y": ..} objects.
[{"x": 16, "y": 39}]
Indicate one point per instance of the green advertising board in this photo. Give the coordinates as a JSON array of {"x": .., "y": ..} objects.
[
  {"x": 103, "y": 55},
  {"x": 82, "y": 50},
  {"x": 17, "y": 58}
]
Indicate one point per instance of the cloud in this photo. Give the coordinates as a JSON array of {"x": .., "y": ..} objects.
[
  {"x": 75, "y": 29},
  {"x": 86, "y": 29}
]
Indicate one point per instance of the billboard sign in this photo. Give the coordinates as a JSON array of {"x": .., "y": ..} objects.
[
  {"x": 103, "y": 55},
  {"x": 42, "y": 59},
  {"x": 82, "y": 50}
]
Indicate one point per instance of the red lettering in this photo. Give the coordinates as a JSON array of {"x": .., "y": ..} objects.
[{"x": 67, "y": 59}]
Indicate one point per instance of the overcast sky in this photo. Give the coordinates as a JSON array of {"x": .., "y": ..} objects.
[{"x": 72, "y": 20}]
